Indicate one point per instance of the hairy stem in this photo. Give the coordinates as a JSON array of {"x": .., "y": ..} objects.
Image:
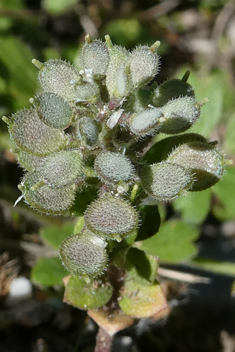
[{"x": 103, "y": 341}]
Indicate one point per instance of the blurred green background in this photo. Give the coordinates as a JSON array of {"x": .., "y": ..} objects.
[{"x": 199, "y": 233}]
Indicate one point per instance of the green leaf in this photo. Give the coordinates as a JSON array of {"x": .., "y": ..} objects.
[
  {"x": 150, "y": 222},
  {"x": 55, "y": 235},
  {"x": 225, "y": 268},
  {"x": 225, "y": 191},
  {"x": 141, "y": 267},
  {"x": 229, "y": 137},
  {"x": 17, "y": 70},
  {"x": 48, "y": 272},
  {"x": 194, "y": 207},
  {"x": 55, "y": 7},
  {"x": 141, "y": 301},
  {"x": 173, "y": 242},
  {"x": 85, "y": 295}
]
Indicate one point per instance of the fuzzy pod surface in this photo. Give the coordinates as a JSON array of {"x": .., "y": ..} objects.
[
  {"x": 33, "y": 136},
  {"x": 166, "y": 181},
  {"x": 62, "y": 168},
  {"x": 113, "y": 167},
  {"x": 146, "y": 122},
  {"x": 95, "y": 56},
  {"x": 58, "y": 76},
  {"x": 180, "y": 114},
  {"x": 206, "y": 162},
  {"x": 144, "y": 65},
  {"x": 87, "y": 129},
  {"x": 84, "y": 254},
  {"x": 54, "y": 110},
  {"x": 111, "y": 217},
  {"x": 45, "y": 199}
]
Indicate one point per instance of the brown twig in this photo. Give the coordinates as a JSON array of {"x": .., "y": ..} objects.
[{"x": 103, "y": 341}]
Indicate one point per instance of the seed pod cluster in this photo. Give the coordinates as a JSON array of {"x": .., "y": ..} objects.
[{"x": 90, "y": 128}]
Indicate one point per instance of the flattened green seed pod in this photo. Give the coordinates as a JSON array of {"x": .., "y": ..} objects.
[
  {"x": 84, "y": 254},
  {"x": 172, "y": 89},
  {"x": 28, "y": 161},
  {"x": 58, "y": 76},
  {"x": 117, "y": 81},
  {"x": 146, "y": 122},
  {"x": 45, "y": 199},
  {"x": 53, "y": 110},
  {"x": 87, "y": 129},
  {"x": 144, "y": 65},
  {"x": 176, "y": 141},
  {"x": 33, "y": 136},
  {"x": 61, "y": 169},
  {"x": 166, "y": 181},
  {"x": 86, "y": 92},
  {"x": 180, "y": 114},
  {"x": 95, "y": 56},
  {"x": 203, "y": 159},
  {"x": 111, "y": 217},
  {"x": 113, "y": 167}
]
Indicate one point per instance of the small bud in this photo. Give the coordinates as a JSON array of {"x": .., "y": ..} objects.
[
  {"x": 53, "y": 110},
  {"x": 172, "y": 89},
  {"x": 203, "y": 159},
  {"x": 117, "y": 75},
  {"x": 144, "y": 64},
  {"x": 61, "y": 169},
  {"x": 111, "y": 217},
  {"x": 45, "y": 199},
  {"x": 146, "y": 122},
  {"x": 87, "y": 130},
  {"x": 58, "y": 76},
  {"x": 166, "y": 181},
  {"x": 84, "y": 254},
  {"x": 113, "y": 167},
  {"x": 33, "y": 136},
  {"x": 95, "y": 56},
  {"x": 180, "y": 114}
]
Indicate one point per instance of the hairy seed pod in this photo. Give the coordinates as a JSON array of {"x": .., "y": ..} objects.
[
  {"x": 117, "y": 80},
  {"x": 86, "y": 92},
  {"x": 95, "y": 56},
  {"x": 146, "y": 122},
  {"x": 61, "y": 169},
  {"x": 45, "y": 199},
  {"x": 58, "y": 76},
  {"x": 203, "y": 159},
  {"x": 27, "y": 161},
  {"x": 144, "y": 64},
  {"x": 113, "y": 167},
  {"x": 33, "y": 136},
  {"x": 172, "y": 89},
  {"x": 53, "y": 110},
  {"x": 166, "y": 181},
  {"x": 87, "y": 130},
  {"x": 180, "y": 114},
  {"x": 176, "y": 141},
  {"x": 111, "y": 217},
  {"x": 84, "y": 254}
]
